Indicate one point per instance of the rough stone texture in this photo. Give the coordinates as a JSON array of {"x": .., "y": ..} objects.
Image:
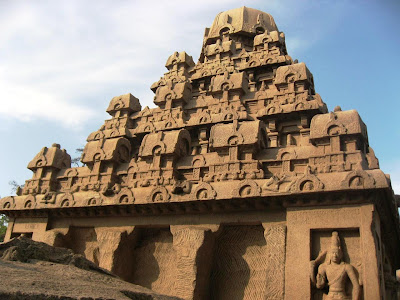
[
  {"x": 229, "y": 188},
  {"x": 23, "y": 249},
  {"x": 34, "y": 270},
  {"x": 44, "y": 280}
]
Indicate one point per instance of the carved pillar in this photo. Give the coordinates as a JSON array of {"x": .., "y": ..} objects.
[
  {"x": 10, "y": 226},
  {"x": 193, "y": 252},
  {"x": 275, "y": 237},
  {"x": 335, "y": 144},
  {"x": 53, "y": 237},
  {"x": 203, "y": 140},
  {"x": 108, "y": 242},
  {"x": 273, "y": 139}
]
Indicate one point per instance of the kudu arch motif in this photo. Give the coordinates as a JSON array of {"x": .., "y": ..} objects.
[{"x": 240, "y": 146}]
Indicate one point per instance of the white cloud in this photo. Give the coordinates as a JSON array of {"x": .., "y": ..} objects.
[
  {"x": 60, "y": 58},
  {"x": 27, "y": 103}
]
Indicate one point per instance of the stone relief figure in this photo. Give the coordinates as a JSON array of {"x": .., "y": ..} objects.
[{"x": 334, "y": 272}]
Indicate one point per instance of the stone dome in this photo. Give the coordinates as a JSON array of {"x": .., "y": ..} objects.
[{"x": 241, "y": 20}]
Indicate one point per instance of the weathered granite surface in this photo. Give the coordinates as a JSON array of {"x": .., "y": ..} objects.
[{"x": 34, "y": 270}]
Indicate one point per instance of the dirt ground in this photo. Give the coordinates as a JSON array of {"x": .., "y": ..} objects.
[{"x": 32, "y": 270}]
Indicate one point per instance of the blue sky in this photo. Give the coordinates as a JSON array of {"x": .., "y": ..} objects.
[{"x": 62, "y": 61}]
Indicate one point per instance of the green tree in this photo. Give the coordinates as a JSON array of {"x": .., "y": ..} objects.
[
  {"x": 15, "y": 188},
  {"x": 3, "y": 226}
]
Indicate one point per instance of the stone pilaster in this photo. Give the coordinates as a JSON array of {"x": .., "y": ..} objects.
[
  {"x": 10, "y": 226},
  {"x": 192, "y": 261},
  {"x": 109, "y": 240},
  {"x": 275, "y": 237},
  {"x": 53, "y": 237}
]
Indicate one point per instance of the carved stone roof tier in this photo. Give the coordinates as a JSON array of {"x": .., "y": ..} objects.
[
  {"x": 235, "y": 134},
  {"x": 338, "y": 123},
  {"x": 168, "y": 142},
  {"x": 179, "y": 59},
  {"x": 268, "y": 37},
  {"x": 116, "y": 149},
  {"x": 51, "y": 157},
  {"x": 173, "y": 92},
  {"x": 223, "y": 190},
  {"x": 126, "y": 102},
  {"x": 229, "y": 82},
  {"x": 293, "y": 73}
]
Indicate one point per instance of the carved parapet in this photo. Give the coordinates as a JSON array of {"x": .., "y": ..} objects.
[
  {"x": 220, "y": 47},
  {"x": 262, "y": 58},
  {"x": 293, "y": 73},
  {"x": 336, "y": 124},
  {"x": 176, "y": 142},
  {"x": 125, "y": 103},
  {"x": 244, "y": 133},
  {"x": 290, "y": 103},
  {"x": 109, "y": 133},
  {"x": 268, "y": 37},
  {"x": 7, "y": 203},
  {"x": 211, "y": 68},
  {"x": 115, "y": 127},
  {"x": 169, "y": 123},
  {"x": 52, "y": 157},
  {"x": 218, "y": 115},
  {"x": 179, "y": 61},
  {"x": 219, "y": 188},
  {"x": 180, "y": 91},
  {"x": 114, "y": 149},
  {"x": 233, "y": 82}
]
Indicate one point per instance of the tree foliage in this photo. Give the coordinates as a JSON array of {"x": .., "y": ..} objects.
[
  {"x": 3, "y": 226},
  {"x": 15, "y": 186},
  {"x": 77, "y": 160}
]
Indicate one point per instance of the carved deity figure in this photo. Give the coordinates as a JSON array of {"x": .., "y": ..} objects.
[{"x": 334, "y": 272}]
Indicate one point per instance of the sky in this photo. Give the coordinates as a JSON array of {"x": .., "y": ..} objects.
[{"x": 61, "y": 62}]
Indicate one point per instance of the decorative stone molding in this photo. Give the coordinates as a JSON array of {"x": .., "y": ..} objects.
[
  {"x": 125, "y": 196},
  {"x": 159, "y": 194},
  {"x": 246, "y": 188},
  {"x": 67, "y": 200},
  {"x": 204, "y": 191}
]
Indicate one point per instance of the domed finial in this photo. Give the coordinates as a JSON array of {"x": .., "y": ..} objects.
[
  {"x": 337, "y": 108},
  {"x": 56, "y": 145}
]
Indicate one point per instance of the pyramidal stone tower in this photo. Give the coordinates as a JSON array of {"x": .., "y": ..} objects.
[{"x": 240, "y": 184}]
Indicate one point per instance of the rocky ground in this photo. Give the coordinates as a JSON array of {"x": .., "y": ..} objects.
[{"x": 33, "y": 270}]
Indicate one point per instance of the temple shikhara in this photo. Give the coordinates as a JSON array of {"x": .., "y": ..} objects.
[{"x": 240, "y": 184}]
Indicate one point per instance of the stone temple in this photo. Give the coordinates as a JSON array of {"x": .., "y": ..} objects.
[{"x": 240, "y": 184}]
